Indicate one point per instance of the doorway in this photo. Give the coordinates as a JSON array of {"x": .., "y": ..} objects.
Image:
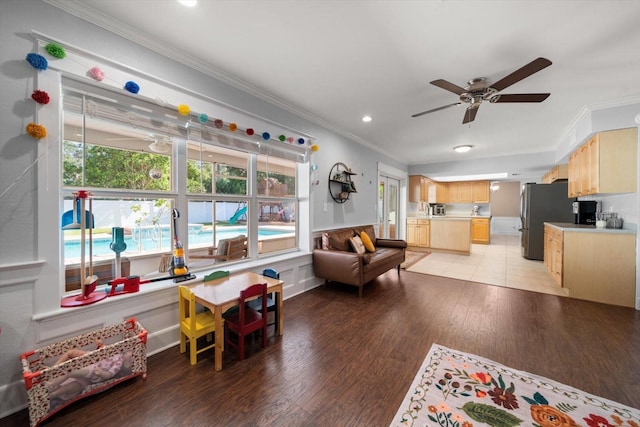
[{"x": 388, "y": 207}]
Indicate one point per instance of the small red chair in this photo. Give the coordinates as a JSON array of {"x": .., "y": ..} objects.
[{"x": 247, "y": 320}]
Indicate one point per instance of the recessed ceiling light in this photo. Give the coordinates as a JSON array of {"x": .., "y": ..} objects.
[
  {"x": 462, "y": 148},
  {"x": 367, "y": 119},
  {"x": 188, "y": 3}
]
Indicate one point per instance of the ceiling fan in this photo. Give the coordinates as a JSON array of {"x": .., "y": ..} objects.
[
  {"x": 158, "y": 143},
  {"x": 480, "y": 89}
]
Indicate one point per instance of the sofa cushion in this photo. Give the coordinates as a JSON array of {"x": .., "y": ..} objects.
[
  {"x": 368, "y": 244},
  {"x": 339, "y": 240},
  {"x": 325, "y": 241},
  {"x": 357, "y": 245},
  {"x": 367, "y": 229},
  {"x": 382, "y": 256}
]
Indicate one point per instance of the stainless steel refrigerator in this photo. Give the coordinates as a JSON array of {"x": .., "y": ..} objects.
[{"x": 540, "y": 203}]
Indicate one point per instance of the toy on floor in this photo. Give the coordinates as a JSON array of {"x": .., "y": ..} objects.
[{"x": 57, "y": 375}]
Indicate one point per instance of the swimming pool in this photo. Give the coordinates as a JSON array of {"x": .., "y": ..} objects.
[{"x": 160, "y": 239}]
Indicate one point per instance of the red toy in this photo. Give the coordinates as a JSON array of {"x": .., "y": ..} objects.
[{"x": 131, "y": 284}]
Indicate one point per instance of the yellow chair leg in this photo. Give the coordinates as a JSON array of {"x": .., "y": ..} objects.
[
  {"x": 183, "y": 343},
  {"x": 193, "y": 351}
]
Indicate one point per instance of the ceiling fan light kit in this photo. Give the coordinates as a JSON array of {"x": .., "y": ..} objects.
[{"x": 480, "y": 89}]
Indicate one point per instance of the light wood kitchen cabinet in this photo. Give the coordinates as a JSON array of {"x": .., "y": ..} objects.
[
  {"x": 584, "y": 178},
  {"x": 480, "y": 191},
  {"x": 606, "y": 163},
  {"x": 438, "y": 192},
  {"x": 573, "y": 173},
  {"x": 452, "y": 235},
  {"x": 418, "y": 232},
  {"x": 418, "y": 188},
  {"x": 593, "y": 265},
  {"x": 553, "y": 252},
  {"x": 480, "y": 230},
  {"x": 460, "y": 192},
  {"x": 556, "y": 173}
]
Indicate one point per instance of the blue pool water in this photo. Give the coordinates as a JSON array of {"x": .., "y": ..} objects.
[{"x": 160, "y": 240}]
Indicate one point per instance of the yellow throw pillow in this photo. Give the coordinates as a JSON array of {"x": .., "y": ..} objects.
[{"x": 368, "y": 244}]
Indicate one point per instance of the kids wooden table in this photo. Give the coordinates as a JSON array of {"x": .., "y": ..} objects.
[{"x": 219, "y": 295}]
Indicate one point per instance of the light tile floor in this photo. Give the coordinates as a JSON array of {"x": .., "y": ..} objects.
[{"x": 499, "y": 263}]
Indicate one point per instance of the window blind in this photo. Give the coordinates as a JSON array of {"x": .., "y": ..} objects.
[{"x": 142, "y": 114}]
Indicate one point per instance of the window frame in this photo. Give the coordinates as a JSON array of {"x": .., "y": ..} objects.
[{"x": 178, "y": 194}]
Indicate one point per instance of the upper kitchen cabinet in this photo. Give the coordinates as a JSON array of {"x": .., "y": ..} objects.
[
  {"x": 460, "y": 192},
  {"x": 418, "y": 188},
  {"x": 469, "y": 192},
  {"x": 438, "y": 192},
  {"x": 606, "y": 163},
  {"x": 481, "y": 192},
  {"x": 557, "y": 173}
]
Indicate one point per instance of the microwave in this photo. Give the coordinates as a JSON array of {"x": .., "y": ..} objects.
[{"x": 439, "y": 210}]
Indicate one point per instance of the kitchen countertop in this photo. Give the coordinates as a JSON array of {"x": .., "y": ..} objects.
[
  {"x": 453, "y": 216},
  {"x": 567, "y": 226}
]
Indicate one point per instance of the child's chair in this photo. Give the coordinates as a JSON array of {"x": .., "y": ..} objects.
[
  {"x": 256, "y": 304},
  {"x": 193, "y": 325},
  {"x": 247, "y": 320}
]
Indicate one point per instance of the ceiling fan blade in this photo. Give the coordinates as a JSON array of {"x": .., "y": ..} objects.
[
  {"x": 448, "y": 86},
  {"x": 521, "y": 97},
  {"x": 529, "y": 69},
  {"x": 455, "y": 104},
  {"x": 470, "y": 114}
]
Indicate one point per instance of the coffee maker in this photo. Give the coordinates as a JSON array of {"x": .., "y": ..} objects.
[{"x": 584, "y": 212}]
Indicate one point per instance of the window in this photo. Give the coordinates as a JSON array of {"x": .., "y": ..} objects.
[{"x": 138, "y": 161}]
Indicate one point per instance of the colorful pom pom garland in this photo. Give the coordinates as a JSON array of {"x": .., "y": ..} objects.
[
  {"x": 55, "y": 50},
  {"x": 183, "y": 110},
  {"x": 37, "y": 61},
  {"x": 132, "y": 87},
  {"x": 36, "y": 131},
  {"x": 40, "y": 96},
  {"x": 96, "y": 74}
]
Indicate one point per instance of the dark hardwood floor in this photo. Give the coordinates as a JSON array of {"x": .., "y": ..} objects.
[{"x": 348, "y": 361}]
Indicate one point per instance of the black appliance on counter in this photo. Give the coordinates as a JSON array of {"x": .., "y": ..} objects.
[
  {"x": 584, "y": 212},
  {"x": 540, "y": 203}
]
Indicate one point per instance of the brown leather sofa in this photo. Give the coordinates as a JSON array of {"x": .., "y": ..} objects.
[{"x": 335, "y": 260}]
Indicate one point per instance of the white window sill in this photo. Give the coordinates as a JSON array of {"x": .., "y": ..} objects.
[{"x": 147, "y": 289}]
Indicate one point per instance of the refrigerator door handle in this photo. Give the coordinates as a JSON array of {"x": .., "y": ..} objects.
[{"x": 521, "y": 210}]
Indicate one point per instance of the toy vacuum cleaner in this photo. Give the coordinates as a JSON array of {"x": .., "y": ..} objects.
[{"x": 177, "y": 268}]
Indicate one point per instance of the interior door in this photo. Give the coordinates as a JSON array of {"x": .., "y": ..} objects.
[{"x": 388, "y": 207}]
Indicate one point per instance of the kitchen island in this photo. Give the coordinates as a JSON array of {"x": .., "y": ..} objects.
[
  {"x": 441, "y": 233},
  {"x": 595, "y": 264}
]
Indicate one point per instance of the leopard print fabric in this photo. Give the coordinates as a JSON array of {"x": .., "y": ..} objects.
[{"x": 38, "y": 368}]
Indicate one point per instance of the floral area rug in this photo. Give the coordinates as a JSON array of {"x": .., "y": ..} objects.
[{"x": 456, "y": 389}]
